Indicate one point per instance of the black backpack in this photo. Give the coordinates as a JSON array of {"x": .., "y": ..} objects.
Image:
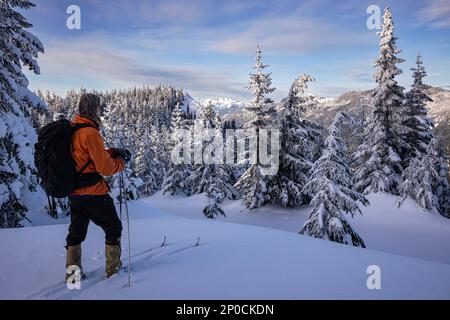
[{"x": 54, "y": 162}]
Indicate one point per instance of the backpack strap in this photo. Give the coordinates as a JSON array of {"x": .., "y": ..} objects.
[
  {"x": 85, "y": 166},
  {"x": 81, "y": 126}
]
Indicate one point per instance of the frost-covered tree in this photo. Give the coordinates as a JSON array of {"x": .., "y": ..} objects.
[
  {"x": 206, "y": 174},
  {"x": 207, "y": 117},
  {"x": 300, "y": 145},
  {"x": 355, "y": 136},
  {"x": 18, "y": 48},
  {"x": 223, "y": 173},
  {"x": 253, "y": 184},
  {"x": 216, "y": 192},
  {"x": 213, "y": 209},
  {"x": 379, "y": 158},
  {"x": 147, "y": 167},
  {"x": 253, "y": 187},
  {"x": 420, "y": 178},
  {"x": 202, "y": 174},
  {"x": 159, "y": 154},
  {"x": 442, "y": 188},
  {"x": 119, "y": 131},
  {"x": 260, "y": 81},
  {"x": 146, "y": 164},
  {"x": 331, "y": 186},
  {"x": 177, "y": 173},
  {"x": 419, "y": 126}
]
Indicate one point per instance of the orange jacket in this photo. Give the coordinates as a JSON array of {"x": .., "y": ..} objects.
[{"x": 87, "y": 143}]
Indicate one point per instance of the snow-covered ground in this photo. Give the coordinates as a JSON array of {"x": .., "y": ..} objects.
[
  {"x": 408, "y": 230},
  {"x": 236, "y": 259}
]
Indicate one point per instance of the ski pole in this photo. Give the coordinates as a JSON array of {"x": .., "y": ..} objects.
[
  {"x": 128, "y": 230},
  {"x": 120, "y": 198}
]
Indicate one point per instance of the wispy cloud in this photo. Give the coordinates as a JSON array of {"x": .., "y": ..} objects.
[
  {"x": 359, "y": 75},
  {"x": 436, "y": 14},
  {"x": 171, "y": 12},
  {"x": 111, "y": 65},
  {"x": 289, "y": 33}
]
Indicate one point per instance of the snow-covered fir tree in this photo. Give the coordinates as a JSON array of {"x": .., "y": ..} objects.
[
  {"x": 442, "y": 188},
  {"x": 216, "y": 195},
  {"x": 379, "y": 158},
  {"x": 207, "y": 117},
  {"x": 120, "y": 134},
  {"x": 223, "y": 173},
  {"x": 419, "y": 126},
  {"x": 333, "y": 195},
  {"x": 260, "y": 82},
  {"x": 219, "y": 187},
  {"x": 205, "y": 174},
  {"x": 420, "y": 178},
  {"x": 356, "y": 134},
  {"x": 300, "y": 143},
  {"x": 253, "y": 185},
  {"x": 18, "y": 47},
  {"x": 160, "y": 137},
  {"x": 146, "y": 166},
  {"x": 177, "y": 173},
  {"x": 202, "y": 174},
  {"x": 159, "y": 154}
]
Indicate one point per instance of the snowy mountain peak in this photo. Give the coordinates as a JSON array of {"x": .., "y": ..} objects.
[
  {"x": 190, "y": 105},
  {"x": 225, "y": 106},
  {"x": 223, "y": 103}
]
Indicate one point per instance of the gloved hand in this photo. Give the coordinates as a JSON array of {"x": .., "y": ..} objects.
[{"x": 125, "y": 154}]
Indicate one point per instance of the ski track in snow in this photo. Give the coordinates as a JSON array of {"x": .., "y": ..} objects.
[{"x": 59, "y": 290}]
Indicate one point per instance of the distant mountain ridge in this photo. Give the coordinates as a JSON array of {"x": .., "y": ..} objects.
[{"x": 356, "y": 103}]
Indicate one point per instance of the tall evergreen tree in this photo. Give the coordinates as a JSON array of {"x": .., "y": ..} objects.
[
  {"x": 220, "y": 187},
  {"x": 419, "y": 126},
  {"x": 260, "y": 82},
  {"x": 202, "y": 174},
  {"x": 206, "y": 174},
  {"x": 18, "y": 48},
  {"x": 215, "y": 198},
  {"x": 159, "y": 154},
  {"x": 420, "y": 179},
  {"x": 253, "y": 183},
  {"x": 300, "y": 145},
  {"x": 224, "y": 172},
  {"x": 331, "y": 186},
  {"x": 147, "y": 167},
  {"x": 176, "y": 174},
  {"x": 442, "y": 188},
  {"x": 379, "y": 158}
]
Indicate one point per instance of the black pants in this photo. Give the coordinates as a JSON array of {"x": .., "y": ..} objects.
[{"x": 99, "y": 209}]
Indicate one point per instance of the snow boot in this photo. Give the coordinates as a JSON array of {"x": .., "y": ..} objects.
[
  {"x": 113, "y": 263},
  {"x": 73, "y": 258}
]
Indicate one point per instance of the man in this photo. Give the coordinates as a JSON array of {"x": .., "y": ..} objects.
[{"x": 93, "y": 202}]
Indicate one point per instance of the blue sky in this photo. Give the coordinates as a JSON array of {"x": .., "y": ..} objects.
[{"x": 207, "y": 47}]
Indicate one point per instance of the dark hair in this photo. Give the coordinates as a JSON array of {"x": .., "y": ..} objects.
[{"x": 87, "y": 107}]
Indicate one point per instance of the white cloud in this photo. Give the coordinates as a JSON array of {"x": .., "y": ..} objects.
[
  {"x": 96, "y": 60},
  {"x": 436, "y": 13},
  {"x": 290, "y": 34}
]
